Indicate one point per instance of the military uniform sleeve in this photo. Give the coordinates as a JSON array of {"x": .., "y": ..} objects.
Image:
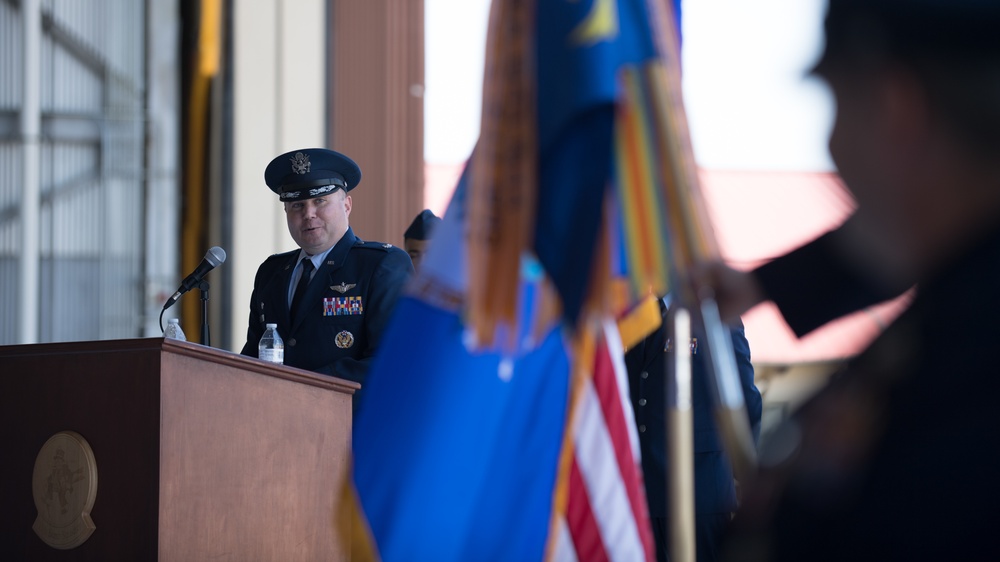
[
  {"x": 815, "y": 284},
  {"x": 254, "y": 332},
  {"x": 751, "y": 395}
]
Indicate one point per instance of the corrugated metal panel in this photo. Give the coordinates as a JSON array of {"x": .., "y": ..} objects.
[
  {"x": 10, "y": 236},
  {"x": 10, "y": 59},
  {"x": 91, "y": 170}
]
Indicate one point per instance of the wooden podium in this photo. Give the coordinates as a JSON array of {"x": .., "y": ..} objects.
[{"x": 199, "y": 454}]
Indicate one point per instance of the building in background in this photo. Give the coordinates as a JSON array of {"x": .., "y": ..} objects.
[
  {"x": 87, "y": 166},
  {"x": 134, "y": 136}
]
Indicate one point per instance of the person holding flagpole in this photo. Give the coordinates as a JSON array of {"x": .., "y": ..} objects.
[{"x": 894, "y": 459}]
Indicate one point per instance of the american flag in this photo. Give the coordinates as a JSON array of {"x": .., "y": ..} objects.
[{"x": 605, "y": 515}]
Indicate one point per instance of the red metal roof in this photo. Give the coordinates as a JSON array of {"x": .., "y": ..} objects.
[{"x": 759, "y": 215}]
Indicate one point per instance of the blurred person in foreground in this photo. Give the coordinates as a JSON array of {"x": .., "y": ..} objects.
[
  {"x": 417, "y": 238},
  {"x": 332, "y": 297},
  {"x": 896, "y": 459}
]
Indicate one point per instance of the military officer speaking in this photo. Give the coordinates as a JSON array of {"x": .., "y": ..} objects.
[{"x": 331, "y": 298}]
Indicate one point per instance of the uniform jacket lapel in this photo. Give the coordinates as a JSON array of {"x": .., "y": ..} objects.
[{"x": 278, "y": 287}]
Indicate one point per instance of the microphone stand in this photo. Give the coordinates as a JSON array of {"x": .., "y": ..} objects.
[{"x": 204, "y": 286}]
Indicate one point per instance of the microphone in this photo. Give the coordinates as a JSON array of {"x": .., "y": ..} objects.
[{"x": 213, "y": 258}]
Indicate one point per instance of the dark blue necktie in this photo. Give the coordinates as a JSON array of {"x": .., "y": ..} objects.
[{"x": 300, "y": 289}]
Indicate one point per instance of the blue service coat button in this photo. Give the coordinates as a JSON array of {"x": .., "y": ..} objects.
[{"x": 291, "y": 342}]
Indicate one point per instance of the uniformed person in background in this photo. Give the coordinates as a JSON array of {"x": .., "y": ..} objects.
[
  {"x": 332, "y": 297},
  {"x": 714, "y": 486},
  {"x": 417, "y": 237}
]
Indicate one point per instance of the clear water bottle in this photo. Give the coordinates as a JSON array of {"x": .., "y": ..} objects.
[
  {"x": 174, "y": 330},
  {"x": 271, "y": 347}
]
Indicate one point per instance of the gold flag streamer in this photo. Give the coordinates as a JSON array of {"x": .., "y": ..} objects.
[{"x": 504, "y": 170}]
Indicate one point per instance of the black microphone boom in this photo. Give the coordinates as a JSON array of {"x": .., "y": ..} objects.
[{"x": 213, "y": 258}]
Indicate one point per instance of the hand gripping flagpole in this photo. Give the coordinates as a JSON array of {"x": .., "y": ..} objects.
[{"x": 730, "y": 404}]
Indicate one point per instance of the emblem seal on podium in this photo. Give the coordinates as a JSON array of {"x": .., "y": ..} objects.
[{"x": 64, "y": 486}]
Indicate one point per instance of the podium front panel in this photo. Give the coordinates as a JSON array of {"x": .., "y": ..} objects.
[{"x": 199, "y": 453}]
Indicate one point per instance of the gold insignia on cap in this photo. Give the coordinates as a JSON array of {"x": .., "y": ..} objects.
[
  {"x": 345, "y": 339},
  {"x": 343, "y": 287},
  {"x": 300, "y": 163}
]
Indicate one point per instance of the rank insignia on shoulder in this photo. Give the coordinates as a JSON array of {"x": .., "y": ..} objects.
[
  {"x": 343, "y": 287},
  {"x": 343, "y": 306},
  {"x": 344, "y": 339},
  {"x": 386, "y": 246}
]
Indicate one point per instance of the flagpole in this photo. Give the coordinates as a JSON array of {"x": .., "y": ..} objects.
[
  {"x": 680, "y": 437},
  {"x": 690, "y": 226},
  {"x": 730, "y": 405}
]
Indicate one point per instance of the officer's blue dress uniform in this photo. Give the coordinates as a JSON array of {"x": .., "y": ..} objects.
[
  {"x": 330, "y": 334},
  {"x": 336, "y": 326},
  {"x": 715, "y": 493}
]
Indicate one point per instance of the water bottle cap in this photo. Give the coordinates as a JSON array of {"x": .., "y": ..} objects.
[
  {"x": 272, "y": 325},
  {"x": 173, "y": 321}
]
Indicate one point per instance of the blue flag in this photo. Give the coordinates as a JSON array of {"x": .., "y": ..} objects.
[
  {"x": 581, "y": 49},
  {"x": 459, "y": 451},
  {"x": 456, "y": 450}
]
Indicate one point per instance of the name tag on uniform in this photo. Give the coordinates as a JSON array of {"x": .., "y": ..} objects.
[{"x": 343, "y": 306}]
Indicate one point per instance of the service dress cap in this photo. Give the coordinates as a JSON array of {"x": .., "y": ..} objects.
[
  {"x": 311, "y": 172},
  {"x": 422, "y": 226},
  {"x": 967, "y": 28}
]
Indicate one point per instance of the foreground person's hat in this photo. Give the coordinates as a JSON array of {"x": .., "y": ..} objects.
[{"x": 912, "y": 28}]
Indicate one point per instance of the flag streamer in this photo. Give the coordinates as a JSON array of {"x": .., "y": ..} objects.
[
  {"x": 504, "y": 168},
  {"x": 641, "y": 188}
]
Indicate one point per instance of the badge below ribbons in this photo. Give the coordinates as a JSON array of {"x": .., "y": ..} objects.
[
  {"x": 344, "y": 339},
  {"x": 343, "y": 306}
]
